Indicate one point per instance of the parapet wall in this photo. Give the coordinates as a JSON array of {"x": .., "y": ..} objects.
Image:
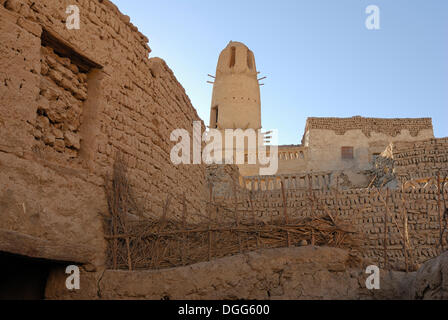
[
  {"x": 390, "y": 127},
  {"x": 304, "y": 181},
  {"x": 291, "y": 159},
  {"x": 72, "y": 100}
]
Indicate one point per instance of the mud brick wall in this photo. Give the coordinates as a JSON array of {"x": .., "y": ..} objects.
[
  {"x": 63, "y": 90},
  {"x": 391, "y": 127},
  {"x": 419, "y": 160},
  {"x": 73, "y": 99},
  {"x": 422, "y": 211},
  {"x": 138, "y": 122},
  {"x": 365, "y": 210}
]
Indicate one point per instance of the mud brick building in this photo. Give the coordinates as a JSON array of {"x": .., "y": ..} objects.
[{"x": 71, "y": 100}]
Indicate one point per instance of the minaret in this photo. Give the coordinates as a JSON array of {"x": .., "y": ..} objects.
[{"x": 236, "y": 91}]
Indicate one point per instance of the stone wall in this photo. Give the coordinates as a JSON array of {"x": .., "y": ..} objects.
[{"x": 73, "y": 99}]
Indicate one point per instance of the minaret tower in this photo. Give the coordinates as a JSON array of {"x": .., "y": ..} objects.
[{"x": 236, "y": 91}]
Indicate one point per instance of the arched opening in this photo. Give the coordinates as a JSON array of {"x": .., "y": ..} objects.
[
  {"x": 214, "y": 117},
  {"x": 250, "y": 61},
  {"x": 232, "y": 57}
]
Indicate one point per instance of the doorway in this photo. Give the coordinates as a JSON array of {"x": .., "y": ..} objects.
[{"x": 23, "y": 278}]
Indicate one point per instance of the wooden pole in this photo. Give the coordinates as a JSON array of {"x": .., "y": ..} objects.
[
  {"x": 439, "y": 208},
  {"x": 386, "y": 216},
  {"x": 337, "y": 209},
  {"x": 444, "y": 210},
  {"x": 311, "y": 196},
  {"x": 254, "y": 222},
  {"x": 128, "y": 247},
  {"x": 161, "y": 226},
  {"x": 252, "y": 207},
  {"x": 405, "y": 230},
  {"x": 115, "y": 221},
  {"x": 209, "y": 225},
  {"x": 371, "y": 182},
  {"x": 285, "y": 209},
  {"x": 115, "y": 243},
  {"x": 285, "y": 213},
  {"x": 237, "y": 218},
  {"x": 128, "y": 241},
  {"x": 184, "y": 224}
]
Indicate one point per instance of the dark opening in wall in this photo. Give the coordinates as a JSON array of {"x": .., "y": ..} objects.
[
  {"x": 347, "y": 153},
  {"x": 250, "y": 59},
  {"x": 214, "y": 117},
  {"x": 23, "y": 278},
  {"x": 232, "y": 57}
]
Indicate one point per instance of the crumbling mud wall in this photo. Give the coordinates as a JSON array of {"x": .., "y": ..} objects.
[
  {"x": 419, "y": 160},
  {"x": 63, "y": 90},
  {"x": 71, "y": 100},
  {"x": 431, "y": 280},
  {"x": 365, "y": 210},
  {"x": 223, "y": 179}
]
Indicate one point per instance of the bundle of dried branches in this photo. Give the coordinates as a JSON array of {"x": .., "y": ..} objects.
[
  {"x": 121, "y": 203},
  {"x": 163, "y": 243},
  {"x": 153, "y": 243}
]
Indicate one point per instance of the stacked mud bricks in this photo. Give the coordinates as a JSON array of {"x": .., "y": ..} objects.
[
  {"x": 391, "y": 127},
  {"x": 82, "y": 111},
  {"x": 365, "y": 211}
]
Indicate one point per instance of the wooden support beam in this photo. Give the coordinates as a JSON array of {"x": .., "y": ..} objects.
[{"x": 52, "y": 39}]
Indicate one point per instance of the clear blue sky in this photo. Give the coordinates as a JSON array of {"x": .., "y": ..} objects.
[{"x": 319, "y": 57}]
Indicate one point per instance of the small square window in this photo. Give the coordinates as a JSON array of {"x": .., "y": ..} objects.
[{"x": 347, "y": 153}]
